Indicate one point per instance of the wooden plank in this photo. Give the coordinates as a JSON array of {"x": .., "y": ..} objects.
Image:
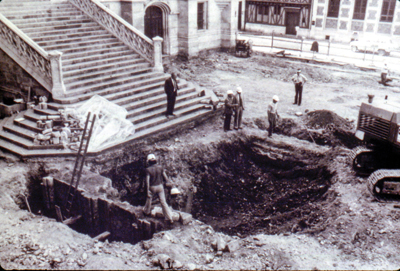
[
  {"x": 58, "y": 212},
  {"x": 27, "y": 203},
  {"x": 72, "y": 220},
  {"x": 102, "y": 236}
]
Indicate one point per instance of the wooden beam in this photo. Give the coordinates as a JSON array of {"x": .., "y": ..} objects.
[
  {"x": 102, "y": 236},
  {"x": 72, "y": 220},
  {"x": 58, "y": 212}
]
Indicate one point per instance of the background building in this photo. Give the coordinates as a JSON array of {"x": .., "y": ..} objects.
[
  {"x": 187, "y": 26},
  {"x": 343, "y": 20},
  {"x": 339, "y": 20}
]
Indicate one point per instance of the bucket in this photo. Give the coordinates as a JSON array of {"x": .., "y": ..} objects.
[{"x": 370, "y": 98}]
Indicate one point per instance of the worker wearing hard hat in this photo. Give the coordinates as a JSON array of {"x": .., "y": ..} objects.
[
  {"x": 230, "y": 106},
  {"x": 155, "y": 175},
  {"x": 272, "y": 114},
  {"x": 239, "y": 109}
]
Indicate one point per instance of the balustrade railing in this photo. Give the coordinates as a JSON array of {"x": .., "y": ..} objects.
[
  {"x": 42, "y": 66},
  {"x": 118, "y": 27},
  {"x": 20, "y": 46}
]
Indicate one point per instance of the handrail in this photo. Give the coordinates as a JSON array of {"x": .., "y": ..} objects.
[
  {"x": 26, "y": 51},
  {"x": 118, "y": 27}
]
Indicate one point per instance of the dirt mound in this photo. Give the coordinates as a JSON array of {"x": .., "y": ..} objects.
[{"x": 326, "y": 119}]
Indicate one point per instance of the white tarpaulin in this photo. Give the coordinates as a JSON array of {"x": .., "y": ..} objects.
[{"x": 111, "y": 125}]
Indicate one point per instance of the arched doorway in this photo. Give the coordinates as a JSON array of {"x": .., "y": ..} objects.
[
  {"x": 153, "y": 22},
  {"x": 156, "y": 20}
]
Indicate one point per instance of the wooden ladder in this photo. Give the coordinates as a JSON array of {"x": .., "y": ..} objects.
[{"x": 80, "y": 160}]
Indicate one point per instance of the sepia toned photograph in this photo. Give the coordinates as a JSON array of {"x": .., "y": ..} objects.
[{"x": 200, "y": 134}]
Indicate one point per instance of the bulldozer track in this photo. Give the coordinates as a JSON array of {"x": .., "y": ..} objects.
[
  {"x": 356, "y": 151},
  {"x": 380, "y": 175},
  {"x": 353, "y": 155}
]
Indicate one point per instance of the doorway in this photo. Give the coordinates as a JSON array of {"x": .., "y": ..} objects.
[
  {"x": 292, "y": 20},
  {"x": 153, "y": 22}
]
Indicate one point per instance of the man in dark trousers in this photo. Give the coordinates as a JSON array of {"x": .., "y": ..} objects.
[
  {"x": 273, "y": 115},
  {"x": 171, "y": 89},
  {"x": 230, "y": 106},
  {"x": 299, "y": 80},
  {"x": 239, "y": 109},
  {"x": 155, "y": 176}
]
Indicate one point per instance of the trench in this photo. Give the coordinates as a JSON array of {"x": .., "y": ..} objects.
[
  {"x": 250, "y": 187},
  {"x": 246, "y": 192}
]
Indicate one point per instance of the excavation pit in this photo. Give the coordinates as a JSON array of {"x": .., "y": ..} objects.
[{"x": 255, "y": 187}]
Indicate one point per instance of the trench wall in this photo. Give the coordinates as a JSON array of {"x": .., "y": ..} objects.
[{"x": 99, "y": 214}]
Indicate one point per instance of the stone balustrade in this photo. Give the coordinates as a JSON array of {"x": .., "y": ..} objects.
[{"x": 44, "y": 67}]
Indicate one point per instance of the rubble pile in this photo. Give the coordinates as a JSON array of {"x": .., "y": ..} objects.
[{"x": 326, "y": 119}]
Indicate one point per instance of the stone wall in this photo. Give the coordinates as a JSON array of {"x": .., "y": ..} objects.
[{"x": 14, "y": 80}]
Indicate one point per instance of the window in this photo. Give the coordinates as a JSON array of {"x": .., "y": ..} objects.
[
  {"x": 202, "y": 15},
  {"x": 333, "y": 8},
  {"x": 359, "y": 9},
  {"x": 388, "y": 10}
]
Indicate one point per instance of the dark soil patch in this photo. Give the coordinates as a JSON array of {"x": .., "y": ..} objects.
[{"x": 248, "y": 191}]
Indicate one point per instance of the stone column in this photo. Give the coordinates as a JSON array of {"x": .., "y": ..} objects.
[
  {"x": 58, "y": 89},
  {"x": 158, "y": 66}
]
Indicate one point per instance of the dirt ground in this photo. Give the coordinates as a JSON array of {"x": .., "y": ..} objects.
[{"x": 332, "y": 221}]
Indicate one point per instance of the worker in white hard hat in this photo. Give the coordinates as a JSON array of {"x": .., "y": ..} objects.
[
  {"x": 272, "y": 114},
  {"x": 155, "y": 176},
  {"x": 239, "y": 109},
  {"x": 230, "y": 106}
]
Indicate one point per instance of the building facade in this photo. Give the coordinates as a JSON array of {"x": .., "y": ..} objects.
[
  {"x": 343, "y": 20},
  {"x": 186, "y": 26},
  {"x": 340, "y": 20},
  {"x": 280, "y": 16}
]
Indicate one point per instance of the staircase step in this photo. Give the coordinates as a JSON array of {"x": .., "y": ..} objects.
[
  {"x": 33, "y": 9},
  {"x": 88, "y": 49},
  {"x": 55, "y": 38},
  {"x": 20, "y": 131},
  {"x": 194, "y": 111},
  {"x": 55, "y": 24},
  {"x": 62, "y": 17},
  {"x": 72, "y": 64},
  {"x": 62, "y": 32},
  {"x": 29, "y": 125},
  {"x": 104, "y": 70},
  {"x": 159, "y": 108},
  {"x": 148, "y": 97},
  {"x": 40, "y": 13},
  {"x": 91, "y": 85},
  {"x": 67, "y": 27},
  {"x": 85, "y": 94},
  {"x": 77, "y": 57},
  {"x": 80, "y": 44},
  {"x": 26, "y": 143},
  {"x": 60, "y": 43}
]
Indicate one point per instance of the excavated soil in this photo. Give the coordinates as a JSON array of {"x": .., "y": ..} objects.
[{"x": 291, "y": 201}]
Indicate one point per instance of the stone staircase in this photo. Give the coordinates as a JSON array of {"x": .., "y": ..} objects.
[{"x": 93, "y": 62}]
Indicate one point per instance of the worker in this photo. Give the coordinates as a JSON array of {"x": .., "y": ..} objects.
[
  {"x": 299, "y": 80},
  {"x": 384, "y": 75},
  {"x": 272, "y": 114},
  {"x": 230, "y": 106},
  {"x": 239, "y": 109},
  {"x": 155, "y": 175}
]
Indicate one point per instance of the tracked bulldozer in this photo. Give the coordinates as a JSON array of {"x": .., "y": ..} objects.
[{"x": 378, "y": 127}]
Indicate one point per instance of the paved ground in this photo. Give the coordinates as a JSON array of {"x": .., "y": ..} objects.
[{"x": 333, "y": 52}]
